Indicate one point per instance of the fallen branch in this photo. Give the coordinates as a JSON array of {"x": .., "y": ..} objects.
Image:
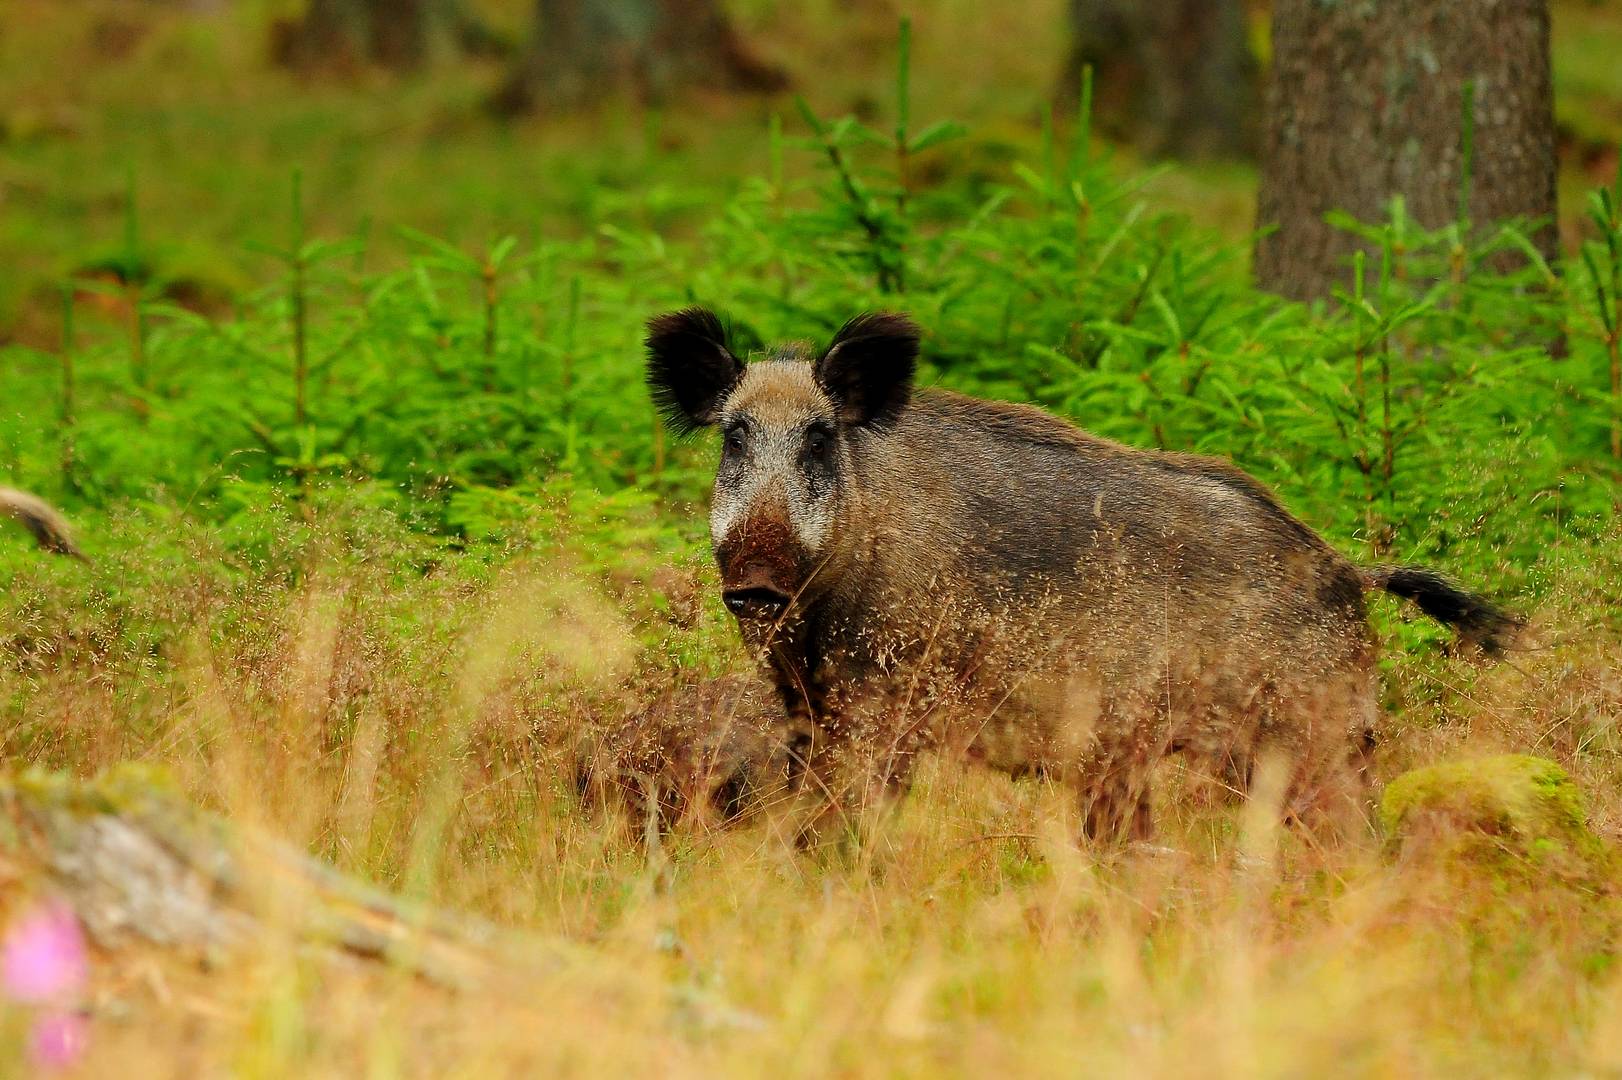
[
  {"x": 50, "y": 528},
  {"x": 140, "y": 866}
]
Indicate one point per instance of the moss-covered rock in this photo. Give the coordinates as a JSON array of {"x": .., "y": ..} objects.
[
  {"x": 1512, "y": 809},
  {"x": 1497, "y": 879}
]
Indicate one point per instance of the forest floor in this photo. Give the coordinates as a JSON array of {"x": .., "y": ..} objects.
[{"x": 418, "y": 732}]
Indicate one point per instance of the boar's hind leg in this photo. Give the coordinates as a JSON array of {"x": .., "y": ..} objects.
[
  {"x": 1330, "y": 794},
  {"x": 1324, "y": 734}
]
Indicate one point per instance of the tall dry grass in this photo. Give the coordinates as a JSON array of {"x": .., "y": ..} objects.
[{"x": 423, "y": 730}]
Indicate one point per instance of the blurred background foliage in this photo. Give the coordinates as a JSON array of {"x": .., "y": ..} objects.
[
  {"x": 190, "y": 97},
  {"x": 258, "y": 253}
]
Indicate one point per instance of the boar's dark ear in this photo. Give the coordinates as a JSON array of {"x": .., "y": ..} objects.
[
  {"x": 690, "y": 368},
  {"x": 868, "y": 367}
]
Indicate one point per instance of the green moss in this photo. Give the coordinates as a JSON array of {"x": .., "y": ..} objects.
[{"x": 1523, "y": 806}]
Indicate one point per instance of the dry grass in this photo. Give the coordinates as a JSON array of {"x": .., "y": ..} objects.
[{"x": 421, "y": 730}]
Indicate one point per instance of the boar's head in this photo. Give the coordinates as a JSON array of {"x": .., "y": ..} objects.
[{"x": 794, "y": 429}]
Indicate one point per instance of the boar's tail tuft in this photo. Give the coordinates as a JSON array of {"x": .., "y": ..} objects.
[
  {"x": 1476, "y": 619},
  {"x": 39, "y": 517}
]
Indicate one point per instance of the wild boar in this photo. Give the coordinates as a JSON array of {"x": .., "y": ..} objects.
[{"x": 919, "y": 569}]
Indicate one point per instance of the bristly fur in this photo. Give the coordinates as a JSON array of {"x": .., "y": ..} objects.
[
  {"x": 868, "y": 367},
  {"x": 1476, "y": 618},
  {"x": 691, "y": 367}
]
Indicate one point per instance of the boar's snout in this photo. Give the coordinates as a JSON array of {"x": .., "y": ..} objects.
[
  {"x": 755, "y": 602},
  {"x": 760, "y": 571}
]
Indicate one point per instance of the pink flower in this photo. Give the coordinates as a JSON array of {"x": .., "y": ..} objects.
[
  {"x": 57, "y": 1039},
  {"x": 43, "y": 959}
]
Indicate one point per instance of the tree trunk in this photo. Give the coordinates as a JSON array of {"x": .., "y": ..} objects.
[
  {"x": 1174, "y": 77},
  {"x": 585, "y": 51},
  {"x": 343, "y": 35},
  {"x": 1366, "y": 103}
]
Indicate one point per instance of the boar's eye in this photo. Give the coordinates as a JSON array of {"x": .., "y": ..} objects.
[
  {"x": 732, "y": 442},
  {"x": 818, "y": 445}
]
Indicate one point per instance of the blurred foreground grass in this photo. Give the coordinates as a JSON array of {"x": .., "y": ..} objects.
[{"x": 334, "y": 694}]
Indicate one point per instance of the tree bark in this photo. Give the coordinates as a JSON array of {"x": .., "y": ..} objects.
[
  {"x": 1174, "y": 77},
  {"x": 584, "y": 51},
  {"x": 1366, "y": 103},
  {"x": 343, "y": 35}
]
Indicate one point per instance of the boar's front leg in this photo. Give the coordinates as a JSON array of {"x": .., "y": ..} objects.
[
  {"x": 1115, "y": 808},
  {"x": 1114, "y": 780},
  {"x": 857, "y": 757},
  {"x": 811, "y": 768}
]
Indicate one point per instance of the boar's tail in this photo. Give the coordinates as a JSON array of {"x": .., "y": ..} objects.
[
  {"x": 39, "y": 517},
  {"x": 1475, "y": 618}
]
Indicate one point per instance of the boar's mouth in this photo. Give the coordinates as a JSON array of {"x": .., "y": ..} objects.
[{"x": 757, "y": 602}]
